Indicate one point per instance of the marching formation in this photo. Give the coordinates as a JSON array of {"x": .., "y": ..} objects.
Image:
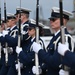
[{"x": 22, "y": 51}]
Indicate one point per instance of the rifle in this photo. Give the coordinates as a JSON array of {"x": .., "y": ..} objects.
[
  {"x": 62, "y": 30},
  {"x": 37, "y": 36},
  {"x": 19, "y": 40},
  {"x": 6, "y": 45},
  {"x": 0, "y": 27}
]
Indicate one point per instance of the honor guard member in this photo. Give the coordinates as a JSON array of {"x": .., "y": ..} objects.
[
  {"x": 2, "y": 61},
  {"x": 1, "y": 47},
  {"x": 24, "y": 24},
  {"x": 2, "y": 28},
  {"x": 51, "y": 58},
  {"x": 9, "y": 36},
  {"x": 68, "y": 56},
  {"x": 27, "y": 56}
]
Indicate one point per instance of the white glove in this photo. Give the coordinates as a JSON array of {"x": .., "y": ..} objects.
[
  {"x": 5, "y": 32},
  {"x": 62, "y": 48},
  {"x": 4, "y": 50},
  {"x": 36, "y": 47},
  {"x": 17, "y": 66},
  {"x": 18, "y": 49},
  {"x": 63, "y": 72},
  {"x": 1, "y": 34},
  {"x": 35, "y": 70}
]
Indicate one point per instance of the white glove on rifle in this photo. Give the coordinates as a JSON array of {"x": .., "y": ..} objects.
[
  {"x": 17, "y": 66},
  {"x": 35, "y": 70},
  {"x": 4, "y": 50},
  {"x": 62, "y": 48},
  {"x": 63, "y": 72},
  {"x": 18, "y": 49},
  {"x": 1, "y": 34},
  {"x": 5, "y": 32},
  {"x": 36, "y": 47}
]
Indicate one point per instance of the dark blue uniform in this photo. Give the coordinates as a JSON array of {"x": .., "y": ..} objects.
[
  {"x": 27, "y": 57},
  {"x": 11, "y": 39},
  {"x": 51, "y": 58},
  {"x": 25, "y": 40},
  {"x": 69, "y": 57},
  {"x": 69, "y": 60}
]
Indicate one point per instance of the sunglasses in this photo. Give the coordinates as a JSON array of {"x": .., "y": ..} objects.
[{"x": 53, "y": 19}]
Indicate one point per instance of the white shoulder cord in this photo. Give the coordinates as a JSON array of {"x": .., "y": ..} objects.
[
  {"x": 72, "y": 41},
  {"x": 55, "y": 42},
  {"x": 14, "y": 31},
  {"x": 41, "y": 43},
  {"x": 66, "y": 37}
]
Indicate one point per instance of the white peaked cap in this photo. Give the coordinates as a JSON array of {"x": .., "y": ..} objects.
[
  {"x": 57, "y": 10},
  {"x": 34, "y": 22}
]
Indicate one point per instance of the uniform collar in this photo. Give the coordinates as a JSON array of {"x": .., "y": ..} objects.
[
  {"x": 12, "y": 27},
  {"x": 32, "y": 39},
  {"x": 25, "y": 22},
  {"x": 57, "y": 32}
]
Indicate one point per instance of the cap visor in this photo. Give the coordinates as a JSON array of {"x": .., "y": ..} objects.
[{"x": 52, "y": 17}]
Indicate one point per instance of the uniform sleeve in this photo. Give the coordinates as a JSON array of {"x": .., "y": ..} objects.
[
  {"x": 2, "y": 40},
  {"x": 50, "y": 60},
  {"x": 26, "y": 59},
  {"x": 69, "y": 59},
  {"x": 13, "y": 39}
]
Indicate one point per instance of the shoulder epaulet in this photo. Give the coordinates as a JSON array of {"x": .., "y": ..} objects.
[
  {"x": 13, "y": 33},
  {"x": 72, "y": 41},
  {"x": 67, "y": 35}
]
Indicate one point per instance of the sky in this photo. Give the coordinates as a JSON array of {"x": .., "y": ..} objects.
[{"x": 31, "y": 4}]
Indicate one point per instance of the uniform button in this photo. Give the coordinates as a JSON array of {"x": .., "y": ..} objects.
[
  {"x": 50, "y": 48},
  {"x": 24, "y": 66},
  {"x": 29, "y": 71},
  {"x": 32, "y": 59},
  {"x": 27, "y": 51},
  {"x": 15, "y": 61},
  {"x": 46, "y": 70},
  {"x": 60, "y": 65},
  {"x": 42, "y": 64}
]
